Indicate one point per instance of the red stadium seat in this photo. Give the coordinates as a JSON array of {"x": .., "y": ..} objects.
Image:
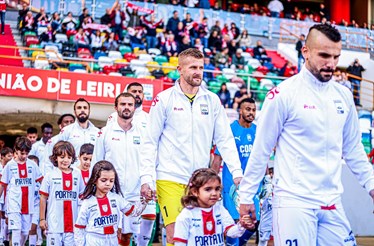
[
  {"x": 110, "y": 69},
  {"x": 263, "y": 69},
  {"x": 31, "y": 40},
  {"x": 129, "y": 56}
]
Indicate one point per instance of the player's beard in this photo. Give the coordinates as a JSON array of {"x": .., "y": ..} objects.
[
  {"x": 193, "y": 80},
  {"x": 125, "y": 116},
  {"x": 138, "y": 102},
  {"x": 248, "y": 119},
  {"x": 82, "y": 118}
]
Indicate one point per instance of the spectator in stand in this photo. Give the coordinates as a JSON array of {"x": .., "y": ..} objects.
[
  {"x": 356, "y": 69},
  {"x": 81, "y": 40},
  {"x": 202, "y": 31},
  {"x": 111, "y": 43},
  {"x": 221, "y": 59},
  {"x": 244, "y": 40},
  {"x": 288, "y": 7},
  {"x": 69, "y": 25},
  {"x": 215, "y": 42},
  {"x": 48, "y": 37},
  {"x": 260, "y": 52},
  {"x": 185, "y": 44},
  {"x": 216, "y": 6},
  {"x": 204, "y": 4},
  {"x": 323, "y": 12},
  {"x": 56, "y": 23},
  {"x": 287, "y": 70},
  {"x": 190, "y": 3},
  {"x": 105, "y": 19},
  {"x": 299, "y": 44},
  {"x": 83, "y": 16},
  {"x": 353, "y": 23},
  {"x": 275, "y": 7},
  {"x": 341, "y": 78},
  {"x": 170, "y": 48},
  {"x": 188, "y": 20},
  {"x": 41, "y": 19},
  {"x": 324, "y": 20},
  {"x": 134, "y": 20},
  {"x": 238, "y": 61},
  {"x": 97, "y": 41},
  {"x": 172, "y": 25},
  {"x": 117, "y": 17},
  {"x": 181, "y": 32},
  {"x": 233, "y": 47},
  {"x": 226, "y": 41},
  {"x": 234, "y": 31},
  {"x": 255, "y": 10},
  {"x": 28, "y": 23},
  {"x": 198, "y": 45},
  {"x": 309, "y": 18},
  {"x": 216, "y": 27},
  {"x": 208, "y": 66},
  {"x": 2, "y": 15},
  {"x": 240, "y": 96},
  {"x": 22, "y": 14},
  {"x": 151, "y": 30},
  {"x": 224, "y": 96}
]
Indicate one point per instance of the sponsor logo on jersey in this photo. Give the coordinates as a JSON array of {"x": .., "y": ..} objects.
[
  {"x": 215, "y": 239},
  {"x": 66, "y": 195},
  {"x": 245, "y": 149},
  {"x": 237, "y": 138},
  {"x": 204, "y": 109},
  {"x": 155, "y": 101},
  {"x": 115, "y": 139},
  {"x": 136, "y": 139},
  {"x": 113, "y": 203},
  {"x": 178, "y": 109},
  {"x": 272, "y": 93},
  {"x": 339, "y": 106},
  {"x": 306, "y": 106},
  {"x": 106, "y": 220},
  {"x": 25, "y": 181}
]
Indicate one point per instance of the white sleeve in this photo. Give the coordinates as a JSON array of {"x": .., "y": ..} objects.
[
  {"x": 224, "y": 139},
  {"x": 5, "y": 175},
  {"x": 270, "y": 125},
  {"x": 231, "y": 229},
  {"x": 235, "y": 231},
  {"x": 82, "y": 219},
  {"x": 131, "y": 209},
  {"x": 182, "y": 228},
  {"x": 99, "y": 150},
  {"x": 353, "y": 150},
  {"x": 155, "y": 126},
  {"x": 45, "y": 186},
  {"x": 79, "y": 236}
]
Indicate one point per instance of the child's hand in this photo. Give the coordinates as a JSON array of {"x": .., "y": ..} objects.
[
  {"x": 245, "y": 220},
  {"x": 43, "y": 225}
]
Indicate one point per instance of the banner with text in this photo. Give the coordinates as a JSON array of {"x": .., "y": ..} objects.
[{"x": 69, "y": 86}]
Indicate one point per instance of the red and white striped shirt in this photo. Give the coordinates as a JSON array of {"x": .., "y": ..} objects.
[
  {"x": 63, "y": 192},
  {"x": 20, "y": 180}
]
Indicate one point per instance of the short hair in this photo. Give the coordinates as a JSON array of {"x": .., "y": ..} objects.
[
  {"x": 247, "y": 100},
  {"x": 59, "y": 121},
  {"x": 59, "y": 149},
  {"x": 123, "y": 94},
  {"x": 86, "y": 149},
  {"x": 46, "y": 125},
  {"x": 6, "y": 150},
  {"x": 34, "y": 158},
  {"x": 328, "y": 30},
  {"x": 22, "y": 144},
  {"x": 32, "y": 130},
  {"x": 81, "y": 100},
  {"x": 191, "y": 52},
  {"x": 134, "y": 84}
]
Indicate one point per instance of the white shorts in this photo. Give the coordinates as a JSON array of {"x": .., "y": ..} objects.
[
  {"x": 130, "y": 225},
  {"x": 35, "y": 216},
  {"x": 303, "y": 226},
  {"x": 18, "y": 221},
  {"x": 94, "y": 239},
  {"x": 59, "y": 239},
  {"x": 150, "y": 211}
]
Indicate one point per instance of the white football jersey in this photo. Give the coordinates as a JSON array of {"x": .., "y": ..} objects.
[
  {"x": 102, "y": 215},
  {"x": 203, "y": 226},
  {"x": 63, "y": 192},
  {"x": 21, "y": 182},
  {"x": 38, "y": 150}
]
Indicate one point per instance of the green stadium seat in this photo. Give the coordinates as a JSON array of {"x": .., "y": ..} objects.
[
  {"x": 161, "y": 59},
  {"x": 125, "y": 49},
  {"x": 174, "y": 75}
]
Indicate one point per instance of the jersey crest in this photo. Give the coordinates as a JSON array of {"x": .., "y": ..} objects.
[
  {"x": 67, "y": 183},
  {"x": 104, "y": 208}
]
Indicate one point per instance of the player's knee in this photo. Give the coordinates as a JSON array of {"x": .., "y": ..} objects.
[{"x": 126, "y": 239}]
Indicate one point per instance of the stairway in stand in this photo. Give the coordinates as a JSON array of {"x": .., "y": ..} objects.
[
  {"x": 8, "y": 39},
  {"x": 276, "y": 58}
]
